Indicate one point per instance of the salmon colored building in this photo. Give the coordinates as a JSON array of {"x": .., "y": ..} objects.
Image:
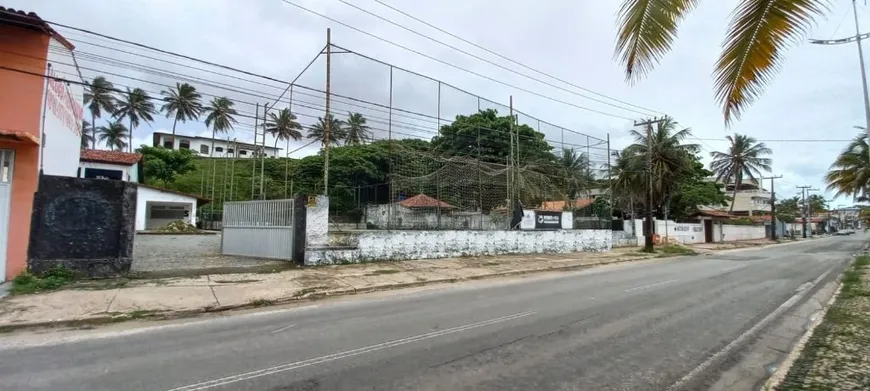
[{"x": 40, "y": 123}]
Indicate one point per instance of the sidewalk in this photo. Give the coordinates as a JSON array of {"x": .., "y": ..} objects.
[{"x": 125, "y": 299}]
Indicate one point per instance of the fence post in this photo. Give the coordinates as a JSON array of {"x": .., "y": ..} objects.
[{"x": 299, "y": 228}]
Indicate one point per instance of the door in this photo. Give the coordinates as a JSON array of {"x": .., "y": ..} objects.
[
  {"x": 708, "y": 231},
  {"x": 7, "y": 158}
]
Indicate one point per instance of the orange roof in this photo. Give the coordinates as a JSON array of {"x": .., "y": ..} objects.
[
  {"x": 110, "y": 157},
  {"x": 714, "y": 213},
  {"x": 19, "y": 136},
  {"x": 558, "y": 206},
  {"x": 424, "y": 201},
  {"x": 31, "y": 21}
]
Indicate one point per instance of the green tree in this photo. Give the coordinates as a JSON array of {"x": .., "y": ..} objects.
[
  {"x": 336, "y": 130},
  {"x": 744, "y": 160},
  {"x": 694, "y": 191},
  {"x": 87, "y": 139},
  {"x": 850, "y": 172},
  {"x": 98, "y": 98},
  {"x": 817, "y": 203},
  {"x": 135, "y": 106},
  {"x": 759, "y": 33},
  {"x": 183, "y": 103},
  {"x": 113, "y": 135},
  {"x": 165, "y": 164},
  {"x": 220, "y": 118},
  {"x": 577, "y": 171},
  {"x": 486, "y": 135},
  {"x": 356, "y": 131},
  {"x": 629, "y": 180},
  {"x": 283, "y": 126},
  {"x": 788, "y": 210}
]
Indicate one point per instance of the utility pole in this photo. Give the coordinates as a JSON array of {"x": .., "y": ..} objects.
[
  {"x": 772, "y": 206},
  {"x": 326, "y": 118},
  {"x": 810, "y": 210},
  {"x": 648, "y": 227},
  {"x": 804, "y": 190}
]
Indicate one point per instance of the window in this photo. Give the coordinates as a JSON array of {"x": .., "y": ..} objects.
[
  {"x": 168, "y": 143},
  {"x": 184, "y": 144},
  {"x": 230, "y": 151},
  {"x": 98, "y": 173},
  {"x": 218, "y": 149},
  {"x": 243, "y": 152},
  {"x": 203, "y": 149}
]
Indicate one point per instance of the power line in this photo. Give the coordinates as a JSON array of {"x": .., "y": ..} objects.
[
  {"x": 419, "y": 53},
  {"x": 645, "y": 112}
]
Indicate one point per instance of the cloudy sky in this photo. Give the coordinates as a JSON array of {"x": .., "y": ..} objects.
[{"x": 817, "y": 95}]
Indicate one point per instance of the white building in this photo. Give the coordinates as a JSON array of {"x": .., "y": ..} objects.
[
  {"x": 155, "y": 207},
  {"x": 202, "y": 146}
]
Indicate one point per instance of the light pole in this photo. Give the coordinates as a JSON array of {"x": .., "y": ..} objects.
[{"x": 857, "y": 38}]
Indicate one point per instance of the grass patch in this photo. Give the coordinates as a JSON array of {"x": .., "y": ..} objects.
[
  {"x": 673, "y": 249},
  {"x": 491, "y": 264},
  {"x": 303, "y": 292},
  {"x": 53, "y": 279},
  {"x": 384, "y": 271},
  {"x": 234, "y": 281},
  {"x": 261, "y": 303}
]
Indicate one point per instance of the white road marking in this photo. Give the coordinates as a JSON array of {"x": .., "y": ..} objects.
[
  {"x": 649, "y": 286},
  {"x": 284, "y": 328},
  {"x": 743, "y": 337},
  {"x": 349, "y": 353}
]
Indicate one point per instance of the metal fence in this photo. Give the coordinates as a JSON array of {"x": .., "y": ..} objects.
[{"x": 262, "y": 229}]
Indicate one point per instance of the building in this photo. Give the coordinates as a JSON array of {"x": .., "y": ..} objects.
[
  {"x": 750, "y": 199},
  {"x": 155, "y": 206},
  {"x": 40, "y": 124},
  {"x": 202, "y": 146}
]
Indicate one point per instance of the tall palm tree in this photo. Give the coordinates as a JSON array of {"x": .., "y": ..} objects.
[
  {"x": 283, "y": 126},
  {"x": 759, "y": 33},
  {"x": 629, "y": 181},
  {"x": 98, "y": 98},
  {"x": 850, "y": 172},
  {"x": 336, "y": 130},
  {"x": 181, "y": 102},
  {"x": 113, "y": 134},
  {"x": 136, "y": 106},
  {"x": 577, "y": 171},
  {"x": 671, "y": 158},
  {"x": 87, "y": 139},
  {"x": 744, "y": 160},
  {"x": 220, "y": 117},
  {"x": 356, "y": 131}
]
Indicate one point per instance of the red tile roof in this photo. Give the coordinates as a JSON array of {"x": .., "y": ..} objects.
[
  {"x": 714, "y": 213},
  {"x": 424, "y": 201},
  {"x": 31, "y": 21},
  {"x": 558, "y": 206},
  {"x": 110, "y": 157}
]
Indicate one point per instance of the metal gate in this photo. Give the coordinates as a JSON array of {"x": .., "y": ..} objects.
[
  {"x": 7, "y": 160},
  {"x": 262, "y": 229}
]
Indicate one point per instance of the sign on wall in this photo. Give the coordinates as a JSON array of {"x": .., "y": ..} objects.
[{"x": 548, "y": 220}]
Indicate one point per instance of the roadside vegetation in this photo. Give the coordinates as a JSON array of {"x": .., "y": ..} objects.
[
  {"x": 837, "y": 356},
  {"x": 51, "y": 280}
]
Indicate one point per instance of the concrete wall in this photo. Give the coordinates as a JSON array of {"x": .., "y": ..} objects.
[
  {"x": 733, "y": 233},
  {"x": 147, "y": 194},
  {"x": 317, "y": 223},
  {"x": 683, "y": 233},
  {"x": 86, "y": 225},
  {"x": 410, "y": 245},
  {"x": 396, "y": 216},
  {"x": 63, "y": 114}
]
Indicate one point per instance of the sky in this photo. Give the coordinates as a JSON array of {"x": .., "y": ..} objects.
[{"x": 816, "y": 95}]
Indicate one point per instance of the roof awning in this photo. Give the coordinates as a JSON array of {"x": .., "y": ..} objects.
[{"x": 18, "y": 136}]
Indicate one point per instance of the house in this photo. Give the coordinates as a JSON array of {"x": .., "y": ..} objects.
[
  {"x": 40, "y": 124},
  {"x": 155, "y": 206},
  {"x": 222, "y": 148},
  {"x": 558, "y": 206},
  {"x": 751, "y": 198}
]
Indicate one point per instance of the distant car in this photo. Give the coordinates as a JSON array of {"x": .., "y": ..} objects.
[{"x": 845, "y": 232}]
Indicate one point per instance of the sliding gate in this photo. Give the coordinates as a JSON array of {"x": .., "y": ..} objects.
[{"x": 262, "y": 229}]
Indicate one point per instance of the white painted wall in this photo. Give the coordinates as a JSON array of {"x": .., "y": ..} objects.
[
  {"x": 130, "y": 172},
  {"x": 147, "y": 194},
  {"x": 196, "y": 143},
  {"x": 317, "y": 222},
  {"x": 683, "y": 233},
  {"x": 411, "y": 245},
  {"x": 63, "y": 114},
  {"x": 742, "y": 232}
]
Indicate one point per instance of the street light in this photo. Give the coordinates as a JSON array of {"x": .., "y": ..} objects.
[{"x": 856, "y": 38}]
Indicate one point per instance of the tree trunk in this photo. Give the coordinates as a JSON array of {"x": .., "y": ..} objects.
[
  {"x": 174, "y": 122},
  {"x": 130, "y": 144},
  {"x": 93, "y": 131},
  {"x": 734, "y": 194}
]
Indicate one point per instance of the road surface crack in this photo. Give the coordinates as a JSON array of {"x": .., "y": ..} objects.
[{"x": 482, "y": 351}]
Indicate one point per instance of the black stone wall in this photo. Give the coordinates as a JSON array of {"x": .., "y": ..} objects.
[{"x": 86, "y": 225}]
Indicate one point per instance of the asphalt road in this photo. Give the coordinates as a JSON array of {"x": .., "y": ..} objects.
[{"x": 637, "y": 326}]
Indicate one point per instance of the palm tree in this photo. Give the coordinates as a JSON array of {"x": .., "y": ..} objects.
[
  {"x": 759, "y": 32},
  {"x": 283, "y": 126},
  {"x": 850, "y": 172},
  {"x": 113, "y": 134},
  {"x": 87, "y": 139},
  {"x": 576, "y": 170},
  {"x": 318, "y": 130},
  {"x": 98, "y": 98},
  {"x": 182, "y": 102},
  {"x": 136, "y": 106},
  {"x": 742, "y": 161},
  {"x": 356, "y": 131},
  {"x": 220, "y": 117},
  {"x": 629, "y": 181},
  {"x": 671, "y": 159}
]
